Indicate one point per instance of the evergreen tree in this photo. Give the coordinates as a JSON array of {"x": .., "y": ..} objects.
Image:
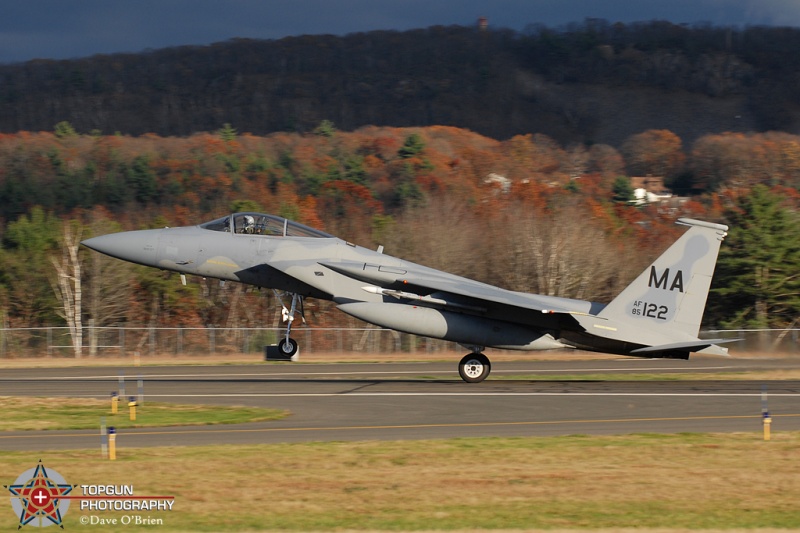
[
  {"x": 141, "y": 180},
  {"x": 412, "y": 146},
  {"x": 26, "y": 270},
  {"x": 622, "y": 190},
  {"x": 326, "y": 128},
  {"x": 227, "y": 133},
  {"x": 64, "y": 130},
  {"x": 757, "y": 280}
]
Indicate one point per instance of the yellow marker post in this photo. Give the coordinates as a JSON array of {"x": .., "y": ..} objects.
[
  {"x": 114, "y": 403},
  {"x": 112, "y": 444},
  {"x": 765, "y": 413},
  {"x": 132, "y": 405}
]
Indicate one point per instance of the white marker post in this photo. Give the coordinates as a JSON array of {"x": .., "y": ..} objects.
[
  {"x": 103, "y": 437},
  {"x": 141, "y": 390}
]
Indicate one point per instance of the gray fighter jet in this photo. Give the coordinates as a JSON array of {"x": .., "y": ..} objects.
[{"x": 657, "y": 315}]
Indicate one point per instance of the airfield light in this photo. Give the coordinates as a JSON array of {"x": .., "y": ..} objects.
[
  {"x": 112, "y": 443},
  {"x": 132, "y": 405}
]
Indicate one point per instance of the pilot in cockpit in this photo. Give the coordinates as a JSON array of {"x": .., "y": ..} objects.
[{"x": 249, "y": 225}]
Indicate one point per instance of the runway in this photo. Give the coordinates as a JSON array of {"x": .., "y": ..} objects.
[{"x": 395, "y": 401}]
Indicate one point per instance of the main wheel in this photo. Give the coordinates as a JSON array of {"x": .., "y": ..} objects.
[
  {"x": 474, "y": 367},
  {"x": 289, "y": 347}
]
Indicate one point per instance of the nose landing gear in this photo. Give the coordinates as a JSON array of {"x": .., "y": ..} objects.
[{"x": 288, "y": 346}]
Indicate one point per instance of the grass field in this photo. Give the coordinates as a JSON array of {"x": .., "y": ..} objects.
[
  {"x": 671, "y": 482},
  {"x": 641, "y": 483},
  {"x": 33, "y": 413}
]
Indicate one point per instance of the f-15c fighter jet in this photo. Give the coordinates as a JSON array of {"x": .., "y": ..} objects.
[{"x": 657, "y": 315}]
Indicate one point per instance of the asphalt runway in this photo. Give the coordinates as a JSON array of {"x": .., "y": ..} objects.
[{"x": 395, "y": 401}]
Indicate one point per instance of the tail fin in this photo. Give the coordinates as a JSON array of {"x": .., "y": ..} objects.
[{"x": 671, "y": 293}]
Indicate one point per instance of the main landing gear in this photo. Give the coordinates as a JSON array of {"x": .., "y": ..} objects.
[{"x": 474, "y": 367}]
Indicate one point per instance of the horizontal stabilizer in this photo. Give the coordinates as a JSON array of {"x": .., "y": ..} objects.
[{"x": 690, "y": 346}]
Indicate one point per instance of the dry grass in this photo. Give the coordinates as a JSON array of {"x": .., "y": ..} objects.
[{"x": 673, "y": 482}]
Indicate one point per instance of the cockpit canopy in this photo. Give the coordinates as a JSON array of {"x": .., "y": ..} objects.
[{"x": 261, "y": 224}]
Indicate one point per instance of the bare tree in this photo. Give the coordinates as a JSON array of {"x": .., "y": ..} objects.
[
  {"x": 68, "y": 287},
  {"x": 107, "y": 287},
  {"x": 444, "y": 234},
  {"x": 558, "y": 254}
]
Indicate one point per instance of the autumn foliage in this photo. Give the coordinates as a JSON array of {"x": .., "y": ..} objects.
[{"x": 524, "y": 213}]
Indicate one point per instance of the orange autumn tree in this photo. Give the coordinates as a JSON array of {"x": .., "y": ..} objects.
[{"x": 655, "y": 153}]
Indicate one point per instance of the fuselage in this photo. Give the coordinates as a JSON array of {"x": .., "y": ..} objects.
[
  {"x": 659, "y": 313},
  {"x": 283, "y": 255}
]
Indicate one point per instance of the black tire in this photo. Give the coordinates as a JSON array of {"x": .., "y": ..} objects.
[
  {"x": 474, "y": 367},
  {"x": 289, "y": 348}
]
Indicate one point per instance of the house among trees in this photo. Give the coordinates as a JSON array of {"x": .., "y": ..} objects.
[
  {"x": 502, "y": 182},
  {"x": 649, "y": 189}
]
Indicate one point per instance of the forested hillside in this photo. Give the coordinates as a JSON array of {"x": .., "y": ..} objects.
[
  {"x": 562, "y": 223},
  {"x": 593, "y": 82}
]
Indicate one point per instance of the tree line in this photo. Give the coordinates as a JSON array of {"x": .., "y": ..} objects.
[
  {"x": 560, "y": 226},
  {"x": 588, "y": 82}
]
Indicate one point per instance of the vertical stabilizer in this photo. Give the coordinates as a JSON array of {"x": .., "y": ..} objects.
[{"x": 670, "y": 295}]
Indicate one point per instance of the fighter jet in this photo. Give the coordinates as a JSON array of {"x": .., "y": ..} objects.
[{"x": 657, "y": 315}]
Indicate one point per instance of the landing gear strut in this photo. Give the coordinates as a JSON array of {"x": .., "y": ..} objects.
[
  {"x": 288, "y": 346},
  {"x": 474, "y": 367}
]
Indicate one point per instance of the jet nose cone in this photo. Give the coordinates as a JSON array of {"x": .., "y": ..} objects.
[{"x": 134, "y": 246}]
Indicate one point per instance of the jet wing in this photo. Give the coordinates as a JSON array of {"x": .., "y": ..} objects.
[{"x": 454, "y": 291}]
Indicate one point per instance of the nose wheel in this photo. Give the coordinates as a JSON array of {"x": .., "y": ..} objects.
[
  {"x": 474, "y": 367},
  {"x": 288, "y": 347}
]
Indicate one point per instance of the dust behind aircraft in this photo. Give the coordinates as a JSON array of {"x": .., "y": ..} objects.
[{"x": 657, "y": 315}]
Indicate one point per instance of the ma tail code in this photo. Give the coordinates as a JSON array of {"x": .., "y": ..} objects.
[{"x": 663, "y": 282}]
